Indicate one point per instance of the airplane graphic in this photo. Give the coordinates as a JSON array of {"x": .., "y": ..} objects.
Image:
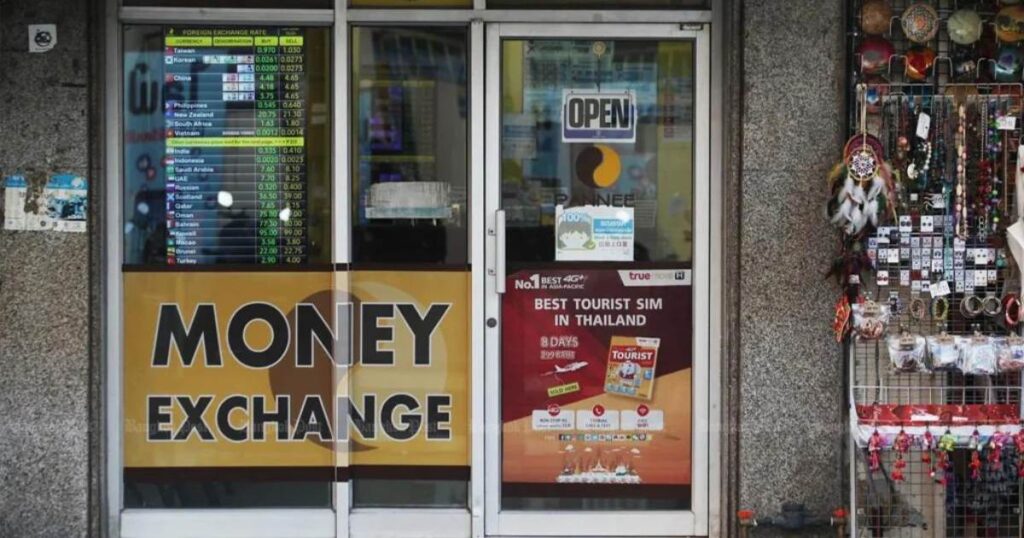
[{"x": 571, "y": 367}]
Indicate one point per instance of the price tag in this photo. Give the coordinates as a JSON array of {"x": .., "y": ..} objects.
[
  {"x": 1006, "y": 123},
  {"x": 924, "y": 124}
]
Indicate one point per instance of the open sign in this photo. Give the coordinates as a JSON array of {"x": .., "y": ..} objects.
[{"x": 608, "y": 116}]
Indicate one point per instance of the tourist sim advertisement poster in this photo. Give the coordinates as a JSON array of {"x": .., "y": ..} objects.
[{"x": 596, "y": 382}]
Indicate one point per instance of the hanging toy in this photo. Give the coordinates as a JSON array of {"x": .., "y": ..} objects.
[
  {"x": 975, "y": 447},
  {"x": 927, "y": 446},
  {"x": 1018, "y": 441},
  {"x": 902, "y": 445},
  {"x": 875, "y": 445},
  {"x": 947, "y": 443},
  {"x": 841, "y": 322},
  {"x": 995, "y": 450}
]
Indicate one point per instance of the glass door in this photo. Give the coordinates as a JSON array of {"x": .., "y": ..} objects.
[{"x": 597, "y": 251}]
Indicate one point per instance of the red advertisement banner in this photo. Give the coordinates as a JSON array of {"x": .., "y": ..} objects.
[{"x": 596, "y": 379}]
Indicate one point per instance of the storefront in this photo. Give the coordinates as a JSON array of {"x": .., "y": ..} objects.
[{"x": 398, "y": 268}]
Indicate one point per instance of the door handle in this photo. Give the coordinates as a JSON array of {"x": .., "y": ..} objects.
[{"x": 499, "y": 251}]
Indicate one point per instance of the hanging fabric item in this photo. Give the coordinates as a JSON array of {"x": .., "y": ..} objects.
[{"x": 861, "y": 183}]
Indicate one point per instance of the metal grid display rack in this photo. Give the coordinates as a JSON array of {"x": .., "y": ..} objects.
[{"x": 935, "y": 423}]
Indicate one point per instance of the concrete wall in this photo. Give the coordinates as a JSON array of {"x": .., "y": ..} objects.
[
  {"x": 44, "y": 294},
  {"x": 791, "y": 380}
]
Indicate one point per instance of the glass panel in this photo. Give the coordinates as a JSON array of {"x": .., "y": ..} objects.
[
  {"x": 383, "y": 493},
  {"x": 226, "y": 145},
  {"x": 599, "y": 4},
  {"x": 410, "y": 388},
  {"x": 409, "y": 169},
  {"x": 214, "y": 493},
  {"x": 229, "y": 392},
  {"x": 653, "y": 175},
  {"x": 261, "y": 4},
  {"x": 597, "y": 320},
  {"x": 412, "y": 4}
]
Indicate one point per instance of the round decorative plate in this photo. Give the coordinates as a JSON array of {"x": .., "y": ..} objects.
[
  {"x": 875, "y": 53},
  {"x": 964, "y": 26},
  {"x": 919, "y": 63},
  {"x": 875, "y": 16},
  {"x": 920, "y": 22},
  {"x": 1009, "y": 64},
  {"x": 1010, "y": 24}
]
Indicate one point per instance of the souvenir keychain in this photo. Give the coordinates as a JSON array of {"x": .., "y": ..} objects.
[
  {"x": 927, "y": 446},
  {"x": 875, "y": 445},
  {"x": 995, "y": 450},
  {"x": 975, "y": 447},
  {"x": 947, "y": 443},
  {"x": 901, "y": 445},
  {"x": 1018, "y": 441}
]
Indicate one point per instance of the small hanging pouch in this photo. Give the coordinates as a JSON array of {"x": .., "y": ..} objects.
[
  {"x": 1011, "y": 354},
  {"x": 906, "y": 352},
  {"x": 979, "y": 353},
  {"x": 945, "y": 355},
  {"x": 869, "y": 320}
]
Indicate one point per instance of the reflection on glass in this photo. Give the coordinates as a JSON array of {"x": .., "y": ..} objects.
[
  {"x": 226, "y": 494},
  {"x": 601, "y": 130},
  {"x": 412, "y": 4},
  {"x": 599, "y": 4},
  {"x": 426, "y": 493},
  {"x": 409, "y": 145},
  {"x": 653, "y": 175},
  {"x": 226, "y": 143}
]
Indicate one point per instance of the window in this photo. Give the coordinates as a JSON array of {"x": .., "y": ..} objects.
[
  {"x": 226, "y": 146},
  {"x": 409, "y": 154}
]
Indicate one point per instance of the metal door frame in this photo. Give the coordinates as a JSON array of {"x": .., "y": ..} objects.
[{"x": 583, "y": 523}]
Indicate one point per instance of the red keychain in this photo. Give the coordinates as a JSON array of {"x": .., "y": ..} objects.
[
  {"x": 1018, "y": 440},
  {"x": 927, "y": 446},
  {"x": 875, "y": 445},
  {"x": 995, "y": 450},
  {"x": 902, "y": 445},
  {"x": 975, "y": 448}
]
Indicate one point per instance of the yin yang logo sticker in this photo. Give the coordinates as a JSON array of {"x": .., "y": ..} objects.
[{"x": 598, "y": 166}]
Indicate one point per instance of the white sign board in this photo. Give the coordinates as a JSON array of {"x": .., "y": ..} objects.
[
  {"x": 594, "y": 233},
  {"x": 599, "y": 116}
]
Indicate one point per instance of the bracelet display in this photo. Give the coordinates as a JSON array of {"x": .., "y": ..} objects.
[{"x": 971, "y": 306}]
